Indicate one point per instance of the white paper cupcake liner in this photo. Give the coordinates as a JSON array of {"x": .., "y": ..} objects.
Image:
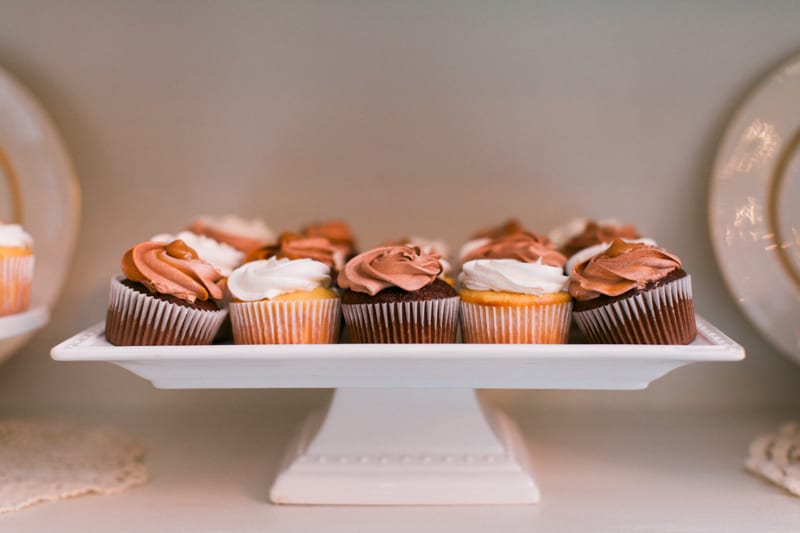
[
  {"x": 16, "y": 277},
  {"x": 534, "y": 324},
  {"x": 424, "y": 321},
  {"x": 285, "y": 322},
  {"x": 138, "y": 319},
  {"x": 661, "y": 315}
]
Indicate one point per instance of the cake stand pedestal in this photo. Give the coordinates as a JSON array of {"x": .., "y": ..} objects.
[{"x": 405, "y": 447}]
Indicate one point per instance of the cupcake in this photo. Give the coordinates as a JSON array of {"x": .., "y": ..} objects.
[
  {"x": 168, "y": 296},
  {"x": 513, "y": 291},
  {"x": 16, "y": 269},
  {"x": 393, "y": 294},
  {"x": 283, "y": 301},
  {"x": 580, "y": 234},
  {"x": 633, "y": 293},
  {"x": 484, "y": 236},
  {"x": 338, "y": 232},
  {"x": 296, "y": 246},
  {"x": 244, "y": 235}
]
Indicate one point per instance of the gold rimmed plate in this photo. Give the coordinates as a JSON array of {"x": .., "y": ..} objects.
[{"x": 754, "y": 210}]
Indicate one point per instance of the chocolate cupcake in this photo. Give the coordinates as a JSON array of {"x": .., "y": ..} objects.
[
  {"x": 393, "y": 294},
  {"x": 166, "y": 297},
  {"x": 633, "y": 293}
]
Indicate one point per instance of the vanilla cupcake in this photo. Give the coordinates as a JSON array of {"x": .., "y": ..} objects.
[
  {"x": 16, "y": 269},
  {"x": 633, "y": 293},
  {"x": 167, "y": 296},
  {"x": 513, "y": 291},
  {"x": 283, "y": 301},
  {"x": 242, "y": 234},
  {"x": 393, "y": 294}
]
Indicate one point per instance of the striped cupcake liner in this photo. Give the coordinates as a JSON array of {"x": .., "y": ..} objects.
[
  {"x": 16, "y": 279},
  {"x": 285, "y": 322},
  {"x": 137, "y": 319},
  {"x": 532, "y": 324},
  {"x": 425, "y": 321},
  {"x": 661, "y": 315}
]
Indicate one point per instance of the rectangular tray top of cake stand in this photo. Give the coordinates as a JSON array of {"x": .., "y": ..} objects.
[{"x": 405, "y": 425}]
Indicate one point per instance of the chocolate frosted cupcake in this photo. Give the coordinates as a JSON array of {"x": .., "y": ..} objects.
[
  {"x": 580, "y": 234},
  {"x": 244, "y": 235},
  {"x": 166, "y": 297},
  {"x": 393, "y": 294},
  {"x": 486, "y": 235},
  {"x": 339, "y": 234},
  {"x": 513, "y": 292},
  {"x": 296, "y": 246},
  {"x": 633, "y": 293}
]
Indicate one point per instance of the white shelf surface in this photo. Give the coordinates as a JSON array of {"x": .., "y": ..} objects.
[
  {"x": 604, "y": 470},
  {"x": 553, "y": 366}
]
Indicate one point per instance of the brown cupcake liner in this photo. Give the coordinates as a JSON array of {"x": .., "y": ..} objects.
[
  {"x": 661, "y": 315},
  {"x": 16, "y": 279},
  {"x": 285, "y": 322},
  {"x": 507, "y": 324},
  {"x": 424, "y": 321},
  {"x": 137, "y": 319}
]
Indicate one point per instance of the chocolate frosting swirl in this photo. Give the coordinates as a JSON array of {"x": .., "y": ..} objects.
[
  {"x": 406, "y": 267},
  {"x": 296, "y": 246},
  {"x": 174, "y": 269},
  {"x": 509, "y": 227},
  {"x": 622, "y": 267},
  {"x": 525, "y": 247},
  {"x": 336, "y": 231},
  {"x": 594, "y": 233}
]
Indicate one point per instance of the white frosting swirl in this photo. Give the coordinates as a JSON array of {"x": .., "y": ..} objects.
[
  {"x": 268, "y": 278},
  {"x": 591, "y": 251},
  {"x": 510, "y": 275},
  {"x": 13, "y": 235},
  {"x": 223, "y": 256}
]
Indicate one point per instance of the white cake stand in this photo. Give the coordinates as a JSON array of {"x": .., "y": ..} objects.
[{"x": 405, "y": 425}]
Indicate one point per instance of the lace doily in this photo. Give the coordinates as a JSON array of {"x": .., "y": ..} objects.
[
  {"x": 51, "y": 460},
  {"x": 777, "y": 457}
]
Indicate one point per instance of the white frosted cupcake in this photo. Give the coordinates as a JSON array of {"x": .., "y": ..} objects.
[
  {"x": 283, "y": 301},
  {"x": 513, "y": 291},
  {"x": 16, "y": 269}
]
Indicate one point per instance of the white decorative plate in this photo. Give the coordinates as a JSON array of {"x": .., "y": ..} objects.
[
  {"x": 755, "y": 207},
  {"x": 38, "y": 189}
]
